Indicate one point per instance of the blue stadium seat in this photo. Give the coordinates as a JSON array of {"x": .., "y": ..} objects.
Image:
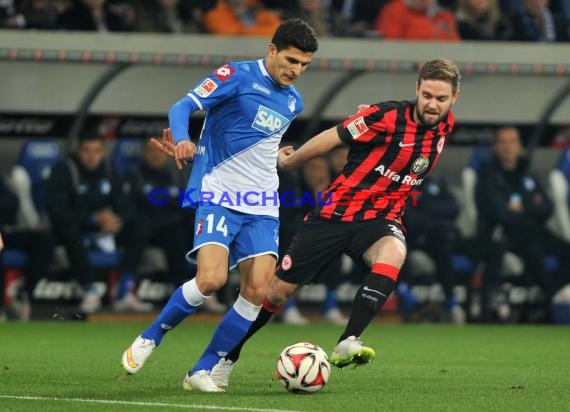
[
  {"x": 37, "y": 158},
  {"x": 479, "y": 157},
  {"x": 564, "y": 163},
  {"x": 33, "y": 166},
  {"x": 13, "y": 258},
  {"x": 106, "y": 260},
  {"x": 127, "y": 153},
  {"x": 462, "y": 264}
]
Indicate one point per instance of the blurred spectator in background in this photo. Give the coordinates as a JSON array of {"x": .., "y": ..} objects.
[
  {"x": 535, "y": 22},
  {"x": 481, "y": 20},
  {"x": 360, "y": 15},
  {"x": 315, "y": 177},
  {"x": 166, "y": 226},
  {"x": 513, "y": 209},
  {"x": 416, "y": 20},
  {"x": 36, "y": 243},
  {"x": 322, "y": 17},
  {"x": 31, "y": 14},
  {"x": 163, "y": 224},
  {"x": 241, "y": 17},
  {"x": 10, "y": 17},
  {"x": 172, "y": 16},
  {"x": 89, "y": 210},
  {"x": 99, "y": 15},
  {"x": 430, "y": 225}
]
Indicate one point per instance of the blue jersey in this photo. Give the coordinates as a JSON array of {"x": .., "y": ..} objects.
[{"x": 247, "y": 114}]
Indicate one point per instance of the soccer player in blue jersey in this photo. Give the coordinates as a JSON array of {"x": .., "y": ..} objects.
[{"x": 234, "y": 183}]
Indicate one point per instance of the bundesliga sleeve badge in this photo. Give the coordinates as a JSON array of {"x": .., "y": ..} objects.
[
  {"x": 357, "y": 127},
  {"x": 206, "y": 88}
]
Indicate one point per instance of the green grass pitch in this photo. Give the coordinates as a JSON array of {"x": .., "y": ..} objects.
[{"x": 59, "y": 366}]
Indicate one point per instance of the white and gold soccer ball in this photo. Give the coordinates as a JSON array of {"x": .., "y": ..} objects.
[{"x": 303, "y": 368}]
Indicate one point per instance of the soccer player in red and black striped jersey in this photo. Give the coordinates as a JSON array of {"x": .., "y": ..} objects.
[{"x": 393, "y": 146}]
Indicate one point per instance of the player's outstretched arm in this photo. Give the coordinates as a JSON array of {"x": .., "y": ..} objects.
[{"x": 289, "y": 158}]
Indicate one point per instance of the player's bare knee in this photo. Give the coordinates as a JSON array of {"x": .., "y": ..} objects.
[
  {"x": 254, "y": 292},
  {"x": 389, "y": 249},
  {"x": 210, "y": 284}
]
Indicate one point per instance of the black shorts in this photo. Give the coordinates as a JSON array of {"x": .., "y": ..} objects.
[{"x": 319, "y": 241}]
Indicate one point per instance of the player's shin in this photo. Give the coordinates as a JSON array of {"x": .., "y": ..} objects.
[
  {"x": 375, "y": 289},
  {"x": 183, "y": 302},
  {"x": 230, "y": 331},
  {"x": 267, "y": 310}
]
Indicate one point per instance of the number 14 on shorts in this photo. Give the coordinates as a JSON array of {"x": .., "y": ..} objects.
[{"x": 220, "y": 226}]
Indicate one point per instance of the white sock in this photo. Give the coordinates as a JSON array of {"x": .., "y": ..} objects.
[
  {"x": 245, "y": 309},
  {"x": 192, "y": 294}
]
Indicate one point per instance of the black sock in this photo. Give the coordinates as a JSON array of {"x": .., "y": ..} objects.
[
  {"x": 367, "y": 303},
  {"x": 267, "y": 310}
]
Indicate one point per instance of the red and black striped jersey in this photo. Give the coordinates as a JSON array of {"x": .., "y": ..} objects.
[{"x": 389, "y": 156}]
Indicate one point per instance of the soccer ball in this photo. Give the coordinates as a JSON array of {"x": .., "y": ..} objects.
[{"x": 303, "y": 368}]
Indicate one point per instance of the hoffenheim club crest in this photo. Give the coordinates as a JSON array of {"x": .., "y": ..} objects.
[{"x": 291, "y": 103}]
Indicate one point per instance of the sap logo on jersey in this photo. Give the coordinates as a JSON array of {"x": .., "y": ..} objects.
[{"x": 268, "y": 121}]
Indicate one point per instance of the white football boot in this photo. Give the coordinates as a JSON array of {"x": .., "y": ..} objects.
[
  {"x": 351, "y": 352},
  {"x": 221, "y": 372},
  {"x": 137, "y": 354},
  {"x": 200, "y": 381}
]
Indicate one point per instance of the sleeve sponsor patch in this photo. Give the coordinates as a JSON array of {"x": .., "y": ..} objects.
[
  {"x": 206, "y": 88},
  {"x": 357, "y": 127},
  {"x": 224, "y": 72}
]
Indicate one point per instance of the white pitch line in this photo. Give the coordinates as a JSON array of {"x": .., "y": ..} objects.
[{"x": 148, "y": 404}]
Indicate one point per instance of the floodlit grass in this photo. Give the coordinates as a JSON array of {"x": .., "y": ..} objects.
[{"x": 419, "y": 368}]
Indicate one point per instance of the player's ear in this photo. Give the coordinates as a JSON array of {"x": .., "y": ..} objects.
[
  {"x": 417, "y": 88},
  {"x": 272, "y": 50},
  {"x": 454, "y": 97}
]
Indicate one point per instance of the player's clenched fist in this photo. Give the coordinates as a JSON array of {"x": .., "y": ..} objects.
[{"x": 283, "y": 155}]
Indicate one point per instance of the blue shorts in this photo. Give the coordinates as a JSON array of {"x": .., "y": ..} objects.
[{"x": 243, "y": 235}]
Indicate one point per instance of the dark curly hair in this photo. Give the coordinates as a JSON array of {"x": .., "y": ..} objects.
[{"x": 297, "y": 33}]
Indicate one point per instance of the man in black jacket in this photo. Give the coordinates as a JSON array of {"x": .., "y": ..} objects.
[
  {"x": 36, "y": 243},
  {"x": 513, "y": 209},
  {"x": 88, "y": 209},
  {"x": 430, "y": 223},
  {"x": 154, "y": 190},
  {"x": 156, "y": 193}
]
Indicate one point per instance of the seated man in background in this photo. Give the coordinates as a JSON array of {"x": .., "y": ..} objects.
[
  {"x": 154, "y": 189},
  {"x": 513, "y": 209},
  {"x": 430, "y": 224},
  {"x": 88, "y": 209},
  {"x": 314, "y": 178},
  {"x": 36, "y": 243}
]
